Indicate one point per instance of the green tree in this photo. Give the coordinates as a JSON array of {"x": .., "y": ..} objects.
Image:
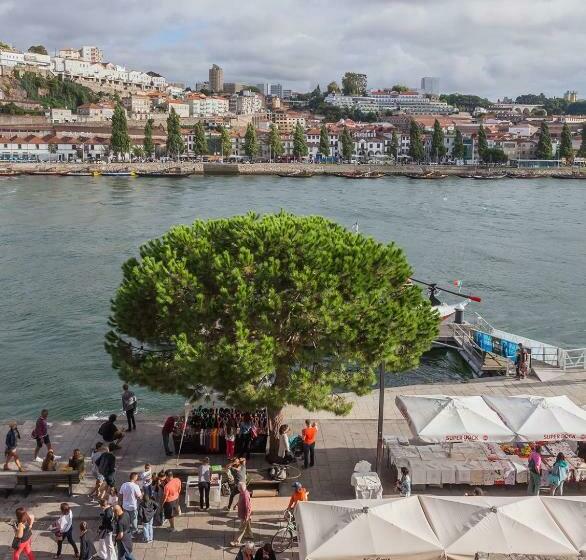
[
  {"x": 275, "y": 143},
  {"x": 120, "y": 140},
  {"x": 268, "y": 311},
  {"x": 137, "y": 151},
  {"x": 38, "y": 49},
  {"x": 333, "y": 87},
  {"x": 324, "y": 141},
  {"x": 200, "y": 141},
  {"x": 175, "y": 143},
  {"x": 582, "y": 150},
  {"x": 147, "y": 143},
  {"x": 225, "y": 143},
  {"x": 415, "y": 143},
  {"x": 438, "y": 150},
  {"x": 354, "y": 83},
  {"x": 482, "y": 142},
  {"x": 250, "y": 142},
  {"x": 400, "y": 88},
  {"x": 394, "y": 146},
  {"x": 458, "y": 151},
  {"x": 544, "y": 149},
  {"x": 347, "y": 144},
  {"x": 495, "y": 155},
  {"x": 299, "y": 143},
  {"x": 566, "y": 151}
]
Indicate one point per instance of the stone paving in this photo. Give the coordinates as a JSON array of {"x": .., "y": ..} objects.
[{"x": 341, "y": 443}]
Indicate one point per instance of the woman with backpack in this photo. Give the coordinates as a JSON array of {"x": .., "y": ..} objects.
[{"x": 558, "y": 475}]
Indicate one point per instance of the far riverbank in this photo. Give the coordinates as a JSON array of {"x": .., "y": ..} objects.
[{"x": 199, "y": 168}]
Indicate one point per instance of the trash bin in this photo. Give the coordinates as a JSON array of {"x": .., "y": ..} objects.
[{"x": 192, "y": 491}]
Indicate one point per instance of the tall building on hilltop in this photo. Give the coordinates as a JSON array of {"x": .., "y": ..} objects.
[
  {"x": 571, "y": 96},
  {"x": 216, "y": 79},
  {"x": 430, "y": 85},
  {"x": 88, "y": 53},
  {"x": 277, "y": 90}
]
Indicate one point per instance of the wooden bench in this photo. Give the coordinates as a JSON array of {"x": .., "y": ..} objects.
[
  {"x": 42, "y": 478},
  {"x": 7, "y": 482}
]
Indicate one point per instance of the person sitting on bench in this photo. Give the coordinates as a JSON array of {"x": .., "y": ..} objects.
[{"x": 110, "y": 433}]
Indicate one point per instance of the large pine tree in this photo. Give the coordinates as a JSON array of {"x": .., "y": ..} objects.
[
  {"x": 299, "y": 143},
  {"x": 148, "y": 145},
  {"x": 393, "y": 150},
  {"x": 225, "y": 143},
  {"x": 544, "y": 149},
  {"x": 582, "y": 150},
  {"x": 120, "y": 140},
  {"x": 200, "y": 141},
  {"x": 482, "y": 142},
  {"x": 250, "y": 142},
  {"x": 175, "y": 144},
  {"x": 275, "y": 143},
  {"x": 415, "y": 144},
  {"x": 347, "y": 145}
]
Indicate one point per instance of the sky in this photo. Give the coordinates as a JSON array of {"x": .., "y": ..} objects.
[{"x": 493, "y": 48}]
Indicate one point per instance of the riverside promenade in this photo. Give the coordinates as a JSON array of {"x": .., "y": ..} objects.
[{"x": 341, "y": 443}]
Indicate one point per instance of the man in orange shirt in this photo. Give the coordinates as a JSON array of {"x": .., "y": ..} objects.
[
  {"x": 309, "y": 434},
  {"x": 300, "y": 494},
  {"x": 171, "y": 494}
]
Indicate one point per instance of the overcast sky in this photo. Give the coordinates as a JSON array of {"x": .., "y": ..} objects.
[{"x": 488, "y": 47}]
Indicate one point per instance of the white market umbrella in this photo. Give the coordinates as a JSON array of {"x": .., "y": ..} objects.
[
  {"x": 536, "y": 418},
  {"x": 466, "y": 525},
  {"x": 569, "y": 513},
  {"x": 363, "y": 529},
  {"x": 441, "y": 418}
]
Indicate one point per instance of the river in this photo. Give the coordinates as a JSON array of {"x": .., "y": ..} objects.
[{"x": 518, "y": 244}]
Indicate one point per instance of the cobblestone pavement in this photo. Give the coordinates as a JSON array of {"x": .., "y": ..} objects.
[{"x": 341, "y": 443}]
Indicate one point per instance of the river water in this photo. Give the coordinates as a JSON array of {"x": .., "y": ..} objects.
[{"x": 520, "y": 245}]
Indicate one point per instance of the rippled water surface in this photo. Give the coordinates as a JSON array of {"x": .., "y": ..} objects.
[{"x": 521, "y": 245}]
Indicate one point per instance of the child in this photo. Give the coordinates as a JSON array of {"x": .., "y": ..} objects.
[
  {"x": 112, "y": 496},
  {"x": 230, "y": 442},
  {"x": 404, "y": 484},
  {"x": 146, "y": 480},
  {"x": 87, "y": 550}
]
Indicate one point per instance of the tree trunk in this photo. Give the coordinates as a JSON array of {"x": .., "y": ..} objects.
[{"x": 275, "y": 420}]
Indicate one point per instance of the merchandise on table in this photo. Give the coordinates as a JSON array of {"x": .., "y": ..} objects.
[{"x": 206, "y": 428}]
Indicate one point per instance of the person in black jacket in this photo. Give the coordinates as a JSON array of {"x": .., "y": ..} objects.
[
  {"x": 106, "y": 535},
  {"x": 147, "y": 510},
  {"x": 87, "y": 550},
  {"x": 107, "y": 465},
  {"x": 12, "y": 437},
  {"x": 265, "y": 552}
]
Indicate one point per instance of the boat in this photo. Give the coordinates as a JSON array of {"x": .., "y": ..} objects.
[
  {"x": 9, "y": 173},
  {"x": 363, "y": 175},
  {"x": 427, "y": 175},
  {"x": 297, "y": 174},
  {"x": 489, "y": 177},
  {"x": 83, "y": 173},
  {"x": 523, "y": 175},
  {"x": 568, "y": 176},
  {"x": 118, "y": 173},
  {"x": 51, "y": 171},
  {"x": 466, "y": 176},
  {"x": 171, "y": 172}
]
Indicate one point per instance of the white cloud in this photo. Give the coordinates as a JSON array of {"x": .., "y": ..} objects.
[{"x": 489, "y": 47}]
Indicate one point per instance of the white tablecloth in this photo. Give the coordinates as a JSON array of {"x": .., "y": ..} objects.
[{"x": 367, "y": 485}]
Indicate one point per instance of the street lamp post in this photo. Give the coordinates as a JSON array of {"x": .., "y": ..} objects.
[{"x": 381, "y": 413}]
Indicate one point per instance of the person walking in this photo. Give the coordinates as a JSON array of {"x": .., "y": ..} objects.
[
  {"x": 130, "y": 493},
  {"x": 166, "y": 432},
  {"x": 284, "y": 452},
  {"x": 558, "y": 475},
  {"x": 205, "y": 479},
  {"x": 106, "y": 543},
  {"x": 107, "y": 466},
  {"x": 521, "y": 361},
  {"x": 123, "y": 528},
  {"x": 64, "y": 530},
  {"x": 238, "y": 472},
  {"x": 245, "y": 436},
  {"x": 171, "y": 494},
  {"x": 23, "y": 532},
  {"x": 129, "y": 404},
  {"x": 87, "y": 549},
  {"x": 244, "y": 515},
  {"x": 404, "y": 483},
  {"x": 534, "y": 480},
  {"x": 230, "y": 442},
  {"x": 147, "y": 509},
  {"x": 309, "y": 435},
  {"x": 40, "y": 433},
  {"x": 12, "y": 437},
  {"x": 110, "y": 432}
]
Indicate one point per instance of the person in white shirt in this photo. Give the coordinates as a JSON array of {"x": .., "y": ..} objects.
[
  {"x": 130, "y": 493},
  {"x": 205, "y": 478},
  {"x": 63, "y": 528},
  {"x": 284, "y": 446}
]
